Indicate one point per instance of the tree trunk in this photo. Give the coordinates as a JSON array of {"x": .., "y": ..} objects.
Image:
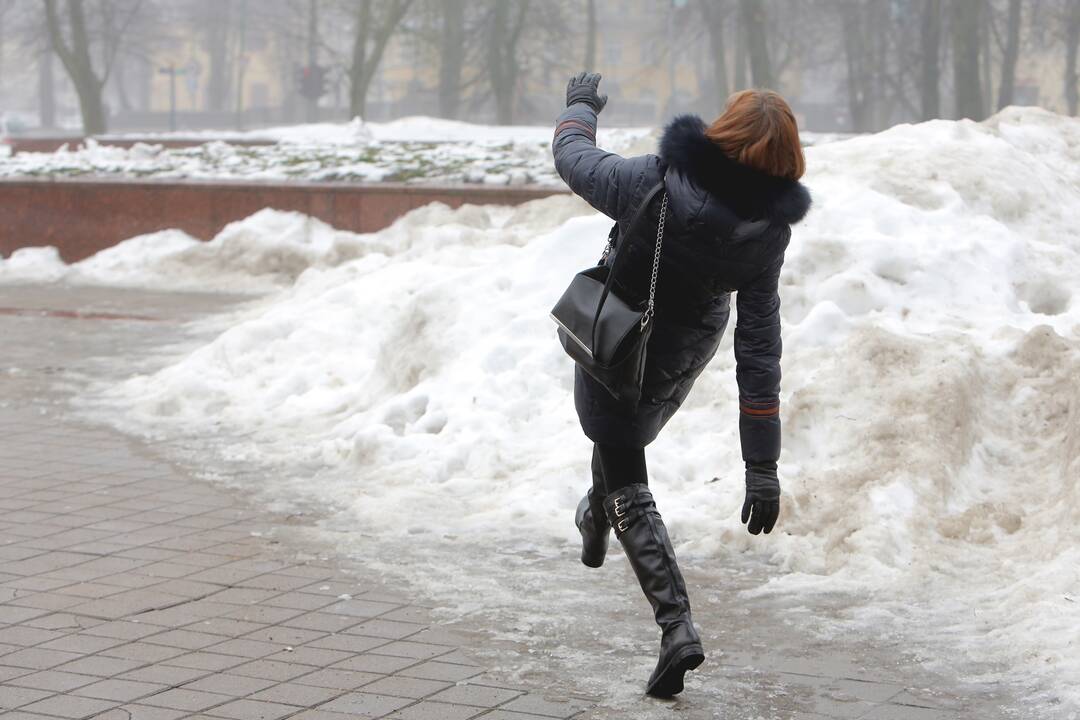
[
  {"x": 220, "y": 71},
  {"x": 76, "y": 60},
  {"x": 754, "y": 22},
  {"x": 966, "y": 80},
  {"x": 714, "y": 20},
  {"x": 740, "y": 56},
  {"x": 857, "y": 59},
  {"x": 358, "y": 76},
  {"x": 930, "y": 76},
  {"x": 502, "y": 57},
  {"x": 452, "y": 58},
  {"x": 590, "y": 35},
  {"x": 1072, "y": 40},
  {"x": 46, "y": 87},
  {"x": 374, "y": 28},
  {"x": 311, "y": 104},
  {"x": 1008, "y": 60}
]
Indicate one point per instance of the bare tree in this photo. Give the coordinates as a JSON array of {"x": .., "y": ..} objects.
[
  {"x": 967, "y": 83},
  {"x": 713, "y": 15},
  {"x": 76, "y": 56},
  {"x": 1011, "y": 53},
  {"x": 376, "y": 22},
  {"x": 857, "y": 21},
  {"x": 754, "y": 22},
  {"x": 451, "y": 57},
  {"x": 590, "y": 35},
  {"x": 930, "y": 77},
  {"x": 1072, "y": 41},
  {"x": 503, "y": 66}
]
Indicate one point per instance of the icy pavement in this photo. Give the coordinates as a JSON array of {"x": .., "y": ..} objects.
[
  {"x": 129, "y": 591},
  {"x": 132, "y": 589}
]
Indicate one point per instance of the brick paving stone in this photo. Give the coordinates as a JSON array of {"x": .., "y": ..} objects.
[
  {"x": 297, "y": 694},
  {"x": 373, "y": 662},
  {"x": 427, "y": 710},
  {"x": 53, "y": 680},
  {"x": 70, "y": 706},
  {"x": 417, "y": 651},
  {"x": 12, "y": 697},
  {"x": 141, "y": 712},
  {"x": 347, "y": 643},
  {"x": 272, "y": 669},
  {"x": 230, "y": 684},
  {"x": 170, "y": 675},
  {"x": 480, "y": 695},
  {"x": 143, "y": 652},
  {"x": 365, "y": 705},
  {"x": 406, "y": 686},
  {"x": 382, "y": 628},
  {"x": 123, "y": 690},
  {"x": 252, "y": 710},
  {"x": 907, "y": 712},
  {"x": 320, "y": 715},
  {"x": 339, "y": 679},
  {"x": 184, "y": 699},
  {"x": 537, "y": 705},
  {"x": 501, "y": 714},
  {"x": 435, "y": 670}
]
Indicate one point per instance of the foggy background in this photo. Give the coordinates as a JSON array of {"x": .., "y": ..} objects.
[{"x": 68, "y": 66}]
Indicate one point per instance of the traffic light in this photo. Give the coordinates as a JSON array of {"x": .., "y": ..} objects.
[{"x": 311, "y": 81}]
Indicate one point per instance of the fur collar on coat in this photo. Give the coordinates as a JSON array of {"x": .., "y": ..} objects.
[{"x": 749, "y": 193}]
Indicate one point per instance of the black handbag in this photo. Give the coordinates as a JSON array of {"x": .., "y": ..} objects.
[{"x": 604, "y": 333}]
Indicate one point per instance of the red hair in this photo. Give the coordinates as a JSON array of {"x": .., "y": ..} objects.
[{"x": 758, "y": 129}]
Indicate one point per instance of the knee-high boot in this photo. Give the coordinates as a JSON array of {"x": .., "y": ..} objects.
[
  {"x": 638, "y": 527},
  {"x": 591, "y": 520}
]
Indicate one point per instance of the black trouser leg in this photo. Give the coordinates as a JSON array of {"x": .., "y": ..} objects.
[
  {"x": 622, "y": 466},
  {"x": 590, "y": 518},
  {"x": 599, "y": 485}
]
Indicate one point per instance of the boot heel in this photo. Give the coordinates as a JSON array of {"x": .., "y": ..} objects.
[
  {"x": 670, "y": 681},
  {"x": 594, "y": 543}
]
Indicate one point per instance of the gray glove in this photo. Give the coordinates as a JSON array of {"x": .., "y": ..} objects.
[
  {"x": 583, "y": 88},
  {"x": 762, "y": 505}
]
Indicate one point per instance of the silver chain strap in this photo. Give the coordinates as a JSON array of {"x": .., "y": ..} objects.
[{"x": 649, "y": 312}]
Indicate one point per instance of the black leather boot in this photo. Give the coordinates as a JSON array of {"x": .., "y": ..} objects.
[
  {"x": 639, "y": 529},
  {"x": 591, "y": 520}
]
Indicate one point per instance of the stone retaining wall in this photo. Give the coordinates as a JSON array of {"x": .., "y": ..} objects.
[{"x": 81, "y": 216}]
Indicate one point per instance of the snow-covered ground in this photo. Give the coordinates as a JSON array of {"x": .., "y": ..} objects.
[
  {"x": 412, "y": 149},
  {"x": 931, "y": 393},
  {"x": 415, "y": 149}
]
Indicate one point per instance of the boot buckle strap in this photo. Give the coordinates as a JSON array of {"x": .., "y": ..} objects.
[
  {"x": 619, "y": 508},
  {"x": 623, "y": 524}
]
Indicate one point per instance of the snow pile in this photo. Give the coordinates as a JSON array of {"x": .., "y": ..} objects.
[
  {"x": 931, "y": 401},
  {"x": 270, "y": 249}
]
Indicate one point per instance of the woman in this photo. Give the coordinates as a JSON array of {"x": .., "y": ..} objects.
[{"x": 733, "y": 193}]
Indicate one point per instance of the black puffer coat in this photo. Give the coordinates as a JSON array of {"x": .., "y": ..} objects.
[{"x": 726, "y": 230}]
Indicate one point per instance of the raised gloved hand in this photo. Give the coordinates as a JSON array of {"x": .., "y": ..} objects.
[
  {"x": 762, "y": 504},
  {"x": 583, "y": 87}
]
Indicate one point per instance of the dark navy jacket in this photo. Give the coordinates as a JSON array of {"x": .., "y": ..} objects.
[{"x": 726, "y": 230}]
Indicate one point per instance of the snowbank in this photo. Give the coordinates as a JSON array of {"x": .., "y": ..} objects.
[{"x": 931, "y": 401}]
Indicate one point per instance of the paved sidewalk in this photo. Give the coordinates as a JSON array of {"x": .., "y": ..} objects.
[{"x": 130, "y": 591}]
